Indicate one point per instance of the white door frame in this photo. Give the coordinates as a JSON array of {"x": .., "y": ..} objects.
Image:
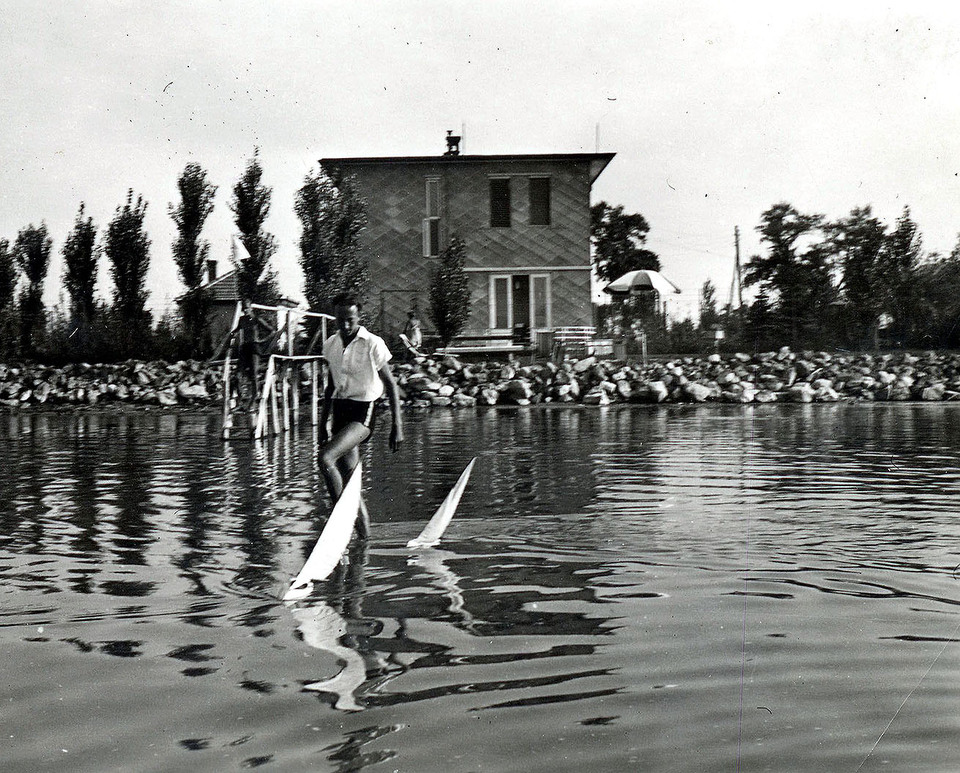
[{"x": 492, "y": 296}]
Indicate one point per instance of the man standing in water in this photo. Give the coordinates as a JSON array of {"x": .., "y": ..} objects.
[{"x": 359, "y": 372}]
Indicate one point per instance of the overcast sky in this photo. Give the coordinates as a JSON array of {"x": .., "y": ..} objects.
[{"x": 716, "y": 111}]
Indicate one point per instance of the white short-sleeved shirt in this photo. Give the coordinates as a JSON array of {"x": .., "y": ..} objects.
[{"x": 355, "y": 369}]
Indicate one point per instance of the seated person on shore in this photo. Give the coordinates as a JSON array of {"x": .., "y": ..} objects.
[
  {"x": 413, "y": 332},
  {"x": 359, "y": 372}
]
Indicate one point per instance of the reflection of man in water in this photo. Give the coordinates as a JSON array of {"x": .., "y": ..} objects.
[
  {"x": 343, "y": 632},
  {"x": 322, "y": 627}
]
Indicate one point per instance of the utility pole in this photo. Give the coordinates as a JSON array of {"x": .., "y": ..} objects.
[{"x": 736, "y": 284}]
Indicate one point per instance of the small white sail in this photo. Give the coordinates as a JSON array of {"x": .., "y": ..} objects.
[
  {"x": 433, "y": 531},
  {"x": 333, "y": 540}
]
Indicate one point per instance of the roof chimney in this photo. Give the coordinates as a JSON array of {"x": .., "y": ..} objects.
[
  {"x": 453, "y": 144},
  {"x": 211, "y": 270}
]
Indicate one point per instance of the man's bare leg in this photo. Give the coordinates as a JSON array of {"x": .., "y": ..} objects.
[{"x": 338, "y": 460}]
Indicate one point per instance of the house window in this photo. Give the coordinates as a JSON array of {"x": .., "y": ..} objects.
[
  {"x": 431, "y": 237},
  {"x": 431, "y": 223},
  {"x": 539, "y": 301},
  {"x": 500, "y": 202},
  {"x": 500, "y": 304},
  {"x": 539, "y": 201}
]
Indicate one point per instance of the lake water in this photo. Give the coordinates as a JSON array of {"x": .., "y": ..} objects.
[{"x": 765, "y": 588}]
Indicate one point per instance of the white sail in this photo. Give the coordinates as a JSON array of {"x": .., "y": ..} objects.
[
  {"x": 433, "y": 531},
  {"x": 333, "y": 540}
]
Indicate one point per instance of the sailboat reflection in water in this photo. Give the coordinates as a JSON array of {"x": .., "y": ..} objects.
[{"x": 348, "y": 635}]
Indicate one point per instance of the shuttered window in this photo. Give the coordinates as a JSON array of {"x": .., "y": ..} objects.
[
  {"x": 500, "y": 202},
  {"x": 431, "y": 223},
  {"x": 539, "y": 201}
]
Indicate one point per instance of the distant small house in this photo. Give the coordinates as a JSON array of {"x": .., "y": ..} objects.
[
  {"x": 525, "y": 220},
  {"x": 224, "y": 295}
]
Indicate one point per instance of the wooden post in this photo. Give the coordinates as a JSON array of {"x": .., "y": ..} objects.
[
  {"x": 227, "y": 416},
  {"x": 295, "y": 369},
  {"x": 285, "y": 395},
  {"x": 315, "y": 393},
  {"x": 264, "y": 400},
  {"x": 289, "y": 335},
  {"x": 274, "y": 407}
]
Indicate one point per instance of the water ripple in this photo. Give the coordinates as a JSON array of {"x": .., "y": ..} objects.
[{"x": 614, "y": 582}]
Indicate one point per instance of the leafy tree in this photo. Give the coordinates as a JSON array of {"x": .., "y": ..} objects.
[
  {"x": 32, "y": 249},
  {"x": 190, "y": 253},
  {"x": 8, "y": 288},
  {"x": 127, "y": 247},
  {"x": 449, "y": 293},
  {"x": 683, "y": 336},
  {"x": 80, "y": 256},
  {"x": 332, "y": 215},
  {"x": 796, "y": 277},
  {"x": 618, "y": 240},
  {"x": 903, "y": 255},
  {"x": 817, "y": 297},
  {"x": 8, "y": 275},
  {"x": 250, "y": 206},
  {"x": 935, "y": 315},
  {"x": 859, "y": 241},
  {"x": 709, "y": 316},
  {"x": 761, "y": 322}
]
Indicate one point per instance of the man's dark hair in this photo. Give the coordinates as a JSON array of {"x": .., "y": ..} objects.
[{"x": 346, "y": 300}]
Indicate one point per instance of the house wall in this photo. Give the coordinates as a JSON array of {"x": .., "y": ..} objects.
[
  {"x": 219, "y": 320},
  {"x": 395, "y": 195}
]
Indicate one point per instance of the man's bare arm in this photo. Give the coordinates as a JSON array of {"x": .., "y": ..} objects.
[{"x": 393, "y": 395}]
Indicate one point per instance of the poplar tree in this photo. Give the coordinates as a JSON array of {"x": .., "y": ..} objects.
[
  {"x": 32, "y": 250},
  {"x": 190, "y": 252},
  {"x": 250, "y": 206},
  {"x": 80, "y": 257},
  {"x": 449, "y": 293},
  {"x": 8, "y": 288},
  {"x": 332, "y": 216},
  {"x": 127, "y": 247}
]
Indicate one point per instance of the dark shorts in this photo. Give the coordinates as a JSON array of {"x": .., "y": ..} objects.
[{"x": 348, "y": 411}]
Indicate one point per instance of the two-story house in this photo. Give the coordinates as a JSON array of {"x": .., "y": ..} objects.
[{"x": 525, "y": 221}]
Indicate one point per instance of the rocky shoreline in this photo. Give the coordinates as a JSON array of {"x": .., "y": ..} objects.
[{"x": 782, "y": 376}]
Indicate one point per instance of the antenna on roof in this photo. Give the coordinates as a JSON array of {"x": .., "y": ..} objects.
[
  {"x": 463, "y": 137},
  {"x": 598, "y": 137}
]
